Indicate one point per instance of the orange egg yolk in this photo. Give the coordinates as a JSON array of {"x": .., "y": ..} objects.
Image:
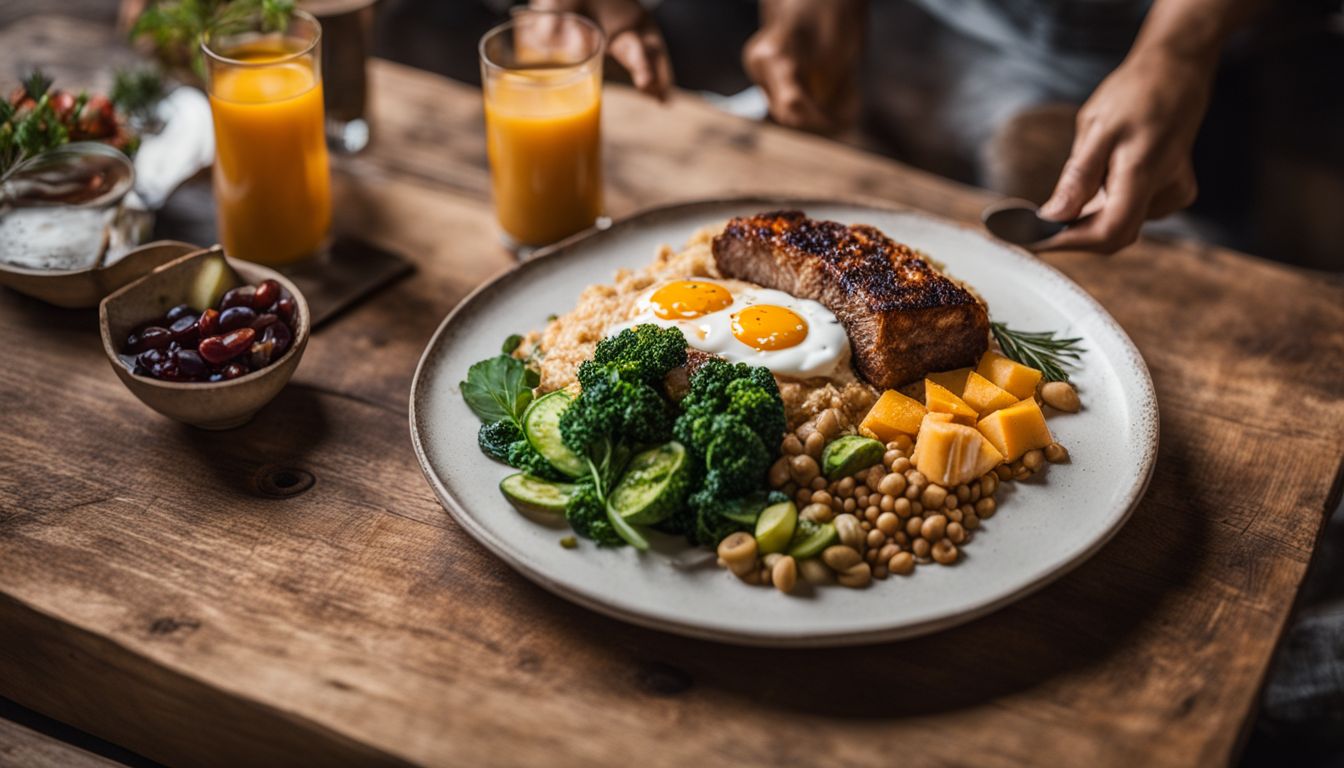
[
  {"x": 686, "y": 299},
  {"x": 767, "y": 327}
]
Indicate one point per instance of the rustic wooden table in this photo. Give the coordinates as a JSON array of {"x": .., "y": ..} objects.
[{"x": 152, "y": 595}]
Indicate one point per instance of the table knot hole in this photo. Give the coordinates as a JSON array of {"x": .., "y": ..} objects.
[{"x": 283, "y": 482}]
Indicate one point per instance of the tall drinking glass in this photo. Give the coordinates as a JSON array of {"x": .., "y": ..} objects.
[
  {"x": 541, "y": 73},
  {"x": 271, "y": 180}
]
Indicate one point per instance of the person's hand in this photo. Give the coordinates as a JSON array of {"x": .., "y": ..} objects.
[
  {"x": 1131, "y": 153},
  {"x": 806, "y": 58},
  {"x": 633, "y": 39}
]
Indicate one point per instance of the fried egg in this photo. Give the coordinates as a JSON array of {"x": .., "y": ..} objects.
[{"x": 745, "y": 323}]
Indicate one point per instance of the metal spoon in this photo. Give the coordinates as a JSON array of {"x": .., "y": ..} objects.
[{"x": 1019, "y": 222}]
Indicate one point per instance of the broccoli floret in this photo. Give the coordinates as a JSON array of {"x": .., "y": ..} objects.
[
  {"x": 613, "y": 409},
  {"x": 742, "y": 390},
  {"x": 644, "y": 353},
  {"x": 504, "y": 441},
  {"x": 735, "y": 458},
  {"x": 587, "y": 515},
  {"x": 497, "y": 437}
]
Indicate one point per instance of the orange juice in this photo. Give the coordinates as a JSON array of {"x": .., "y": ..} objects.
[
  {"x": 543, "y": 139},
  {"x": 272, "y": 188}
]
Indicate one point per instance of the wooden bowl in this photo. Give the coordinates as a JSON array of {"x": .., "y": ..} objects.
[
  {"x": 208, "y": 405},
  {"x": 85, "y": 287}
]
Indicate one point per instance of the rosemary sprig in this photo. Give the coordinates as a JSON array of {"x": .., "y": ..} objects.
[
  {"x": 1038, "y": 349},
  {"x": 177, "y": 27},
  {"x": 28, "y": 132}
]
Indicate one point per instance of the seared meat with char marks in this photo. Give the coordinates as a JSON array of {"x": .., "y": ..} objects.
[{"x": 904, "y": 317}]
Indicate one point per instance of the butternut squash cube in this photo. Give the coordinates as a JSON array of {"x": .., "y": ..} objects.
[
  {"x": 985, "y": 396},
  {"x": 952, "y": 381},
  {"x": 950, "y": 454},
  {"x": 1011, "y": 375},
  {"x": 894, "y": 414},
  {"x": 1016, "y": 429},
  {"x": 939, "y": 399}
]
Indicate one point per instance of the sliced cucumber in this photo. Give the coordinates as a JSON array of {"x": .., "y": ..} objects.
[
  {"x": 654, "y": 485},
  {"x": 541, "y": 424},
  {"x": 532, "y": 494},
  {"x": 774, "y": 528},
  {"x": 627, "y": 531},
  {"x": 811, "y": 538},
  {"x": 746, "y": 510}
]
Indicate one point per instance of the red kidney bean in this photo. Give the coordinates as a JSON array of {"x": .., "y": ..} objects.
[
  {"x": 208, "y": 323},
  {"x": 190, "y": 364},
  {"x": 184, "y": 329},
  {"x": 233, "y": 371},
  {"x": 153, "y": 337},
  {"x": 238, "y": 297},
  {"x": 285, "y": 307},
  {"x": 234, "y": 318},
  {"x": 267, "y": 293},
  {"x": 179, "y": 311},
  {"x": 259, "y": 354},
  {"x": 264, "y": 320},
  {"x": 217, "y": 349},
  {"x": 280, "y": 335}
]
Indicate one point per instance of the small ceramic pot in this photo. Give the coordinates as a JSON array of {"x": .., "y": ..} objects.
[{"x": 208, "y": 405}]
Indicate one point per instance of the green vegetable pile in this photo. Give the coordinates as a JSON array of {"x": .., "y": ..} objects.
[{"x": 635, "y": 457}]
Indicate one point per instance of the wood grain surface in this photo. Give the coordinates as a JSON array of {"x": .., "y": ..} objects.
[{"x": 152, "y": 594}]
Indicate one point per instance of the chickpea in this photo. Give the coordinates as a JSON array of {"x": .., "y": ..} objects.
[
  {"x": 821, "y": 496},
  {"x": 888, "y": 550},
  {"x": 892, "y": 484},
  {"x": 901, "y": 465},
  {"x": 875, "y": 475},
  {"x": 902, "y": 563},
  {"x": 845, "y": 486},
  {"x": 866, "y": 526},
  {"x": 975, "y": 492},
  {"x": 803, "y": 469},
  {"x": 815, "y": 572},
  {"x": 862, "y": 500},
  {"x": 955, "y": 533},
  {"x": 769, "y": 560},
  {"x": 1023, "y": 475},
  {"x": 857, "y": 577},
  {"x": 876, "y": 538},
  {"x": 819, "y": 483},
  {"x": 802, "y": 497},
  {"x": 970, "y": 522},
  {"x": 779, "y": 472},
  {"x": 1004, "y": 472},
  {"x": 814, "y": 444},
  {"x": 901, "y": 538},
  {"x": 1056, "y": 453},
  {"x": 989, "y": 484},
  {"x": 920, "y": 547},
  {"x": 933, "y": 527},
  {"x": 784, "y": 574},
  {"x": 1034, "y": 459},
  {"x": 916, "y": 508},
  {"x": 851, "y": 534},
  {"x": 872, "y": 512},
  {"x": 850, "y": 505},
  {"x": 805, "y": 430},
  {"x": 985, "y": 508},
  {"x": 956, "y": 515},
  {"x": 904, "y": 443},
  {"x": 889, "y": 458},
  {"x": 913, "y": 491},
  {"x": 887, "y": 504},
  {"x": 828, "y": 424},
  {"x": 841, "y": 558},
  {"x": 901, "y": 507},
  {"x": 738, "y": 552},
  {"x": 963, "y": 493},
  {"x": 913, "y": 526},
  {"x": 880, "y": 570},
  {"x": 934, "y": 496},
  {"x": 1061, "y": 396},
  {"x": 817, "y": 513},
  {"x": 791, "y": 446},
  {"x": 945, "y": 552},
  {"x": 887, "y": 522},
  {"x": 870, "y": 557},
  {"x": 915, "y": 477},
  {"x": 861, "y": 490}
]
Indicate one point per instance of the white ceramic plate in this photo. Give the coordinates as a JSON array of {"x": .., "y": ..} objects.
[{"x": 1042, "y": 530}]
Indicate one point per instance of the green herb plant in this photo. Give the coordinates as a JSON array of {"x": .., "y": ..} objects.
[
  {"x": 1039, "y": 349},
  {"x": 175, "y": 26}
]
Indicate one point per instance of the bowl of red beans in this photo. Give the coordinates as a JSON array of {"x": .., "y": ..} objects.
[{"x": 206, "y": 339}]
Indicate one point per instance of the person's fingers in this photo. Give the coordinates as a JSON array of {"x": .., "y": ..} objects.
[
  {"x": 1177, "y": 195},
  {"x": 789, "y": 101},
  {"x": 660, "y": 60},
  {"x": 1118, "y": 222},
  {"x": 1082, "y": 175},
  {"x": 627, "y": 49}
]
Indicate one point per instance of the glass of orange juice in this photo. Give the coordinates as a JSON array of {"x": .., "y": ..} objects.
[
  {"x": 271, "y": 181},
  {"x": 541, "y": 73}
]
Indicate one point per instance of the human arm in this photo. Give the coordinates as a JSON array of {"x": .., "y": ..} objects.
[
  {"x": 1131, "y": 151},
  {"x": 806, "y": 58}
]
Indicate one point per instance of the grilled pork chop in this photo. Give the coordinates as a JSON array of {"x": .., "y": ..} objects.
[{"x": 904, "y": 317}]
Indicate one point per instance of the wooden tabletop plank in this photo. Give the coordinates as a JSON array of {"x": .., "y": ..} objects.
[{"x": 201, "y": 622}]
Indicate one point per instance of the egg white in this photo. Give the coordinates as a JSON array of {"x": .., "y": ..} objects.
[{"x": 821, "y": 354}]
